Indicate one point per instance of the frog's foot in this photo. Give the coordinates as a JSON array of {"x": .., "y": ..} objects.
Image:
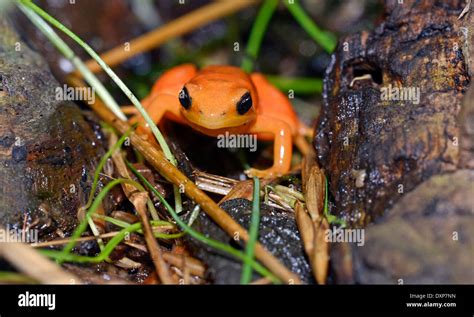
[
  {"x": 129, "y": 110},
  {"x": 268, "y": 173}
]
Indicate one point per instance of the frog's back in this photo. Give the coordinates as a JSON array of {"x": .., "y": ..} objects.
[{"x": 273, "y": 103}]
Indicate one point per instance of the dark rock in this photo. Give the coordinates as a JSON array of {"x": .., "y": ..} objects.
[
  {"x": 426, "y": 238},
  {"x": 277, "y": 233}
]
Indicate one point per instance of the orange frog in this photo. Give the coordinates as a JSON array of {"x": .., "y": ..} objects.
[{"x": 220, "y": 99}]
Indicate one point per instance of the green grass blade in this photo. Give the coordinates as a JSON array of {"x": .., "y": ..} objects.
[
  {"x": 100, "y": 197},
  {"x": 28, "y": 5},
  {"x": 256, "y": 34},
  {"x": 253, "y": 233},
  {"x": 325, "y": 39},
  {"x": 299, "y": 85},
  {"x": 103, "y": 161},
  {"x": 67, "y": 52}
]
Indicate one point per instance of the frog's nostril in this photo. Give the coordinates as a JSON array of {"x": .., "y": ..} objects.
[{"x": 223, "y": 113}]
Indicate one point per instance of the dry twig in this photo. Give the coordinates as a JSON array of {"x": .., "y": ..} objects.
[
  {"x": 177, "y": 27},
  {"x": 139, "y": 201},
  {"x": 29, "y": 261}
]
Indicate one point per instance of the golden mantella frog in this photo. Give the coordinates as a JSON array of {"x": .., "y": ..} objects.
[{"x": 220, "y": 99}]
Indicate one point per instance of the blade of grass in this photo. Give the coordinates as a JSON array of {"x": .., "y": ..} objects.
[
  {"x": 325, "y": 39},
  {"x": 108, "y": 70},
  {"x": 253, "y": 233},
  {"x": 103, "y": 161},
  {"x": 15, "y": 278},
  {"x": 179, "y": 26},
  {"x": 210, "y": 242},
  {"x": 256, "y": 34},
  {"x": 83, "y": 225},
  {"x": 28, "y": 5},
  {"x": 62, "y": 47},
  {"x": 102, "y": 256},
  {"x": 123, "y": 224},
  {"x": 331, "y": 218},
  {"x": 299, "y": 85}
]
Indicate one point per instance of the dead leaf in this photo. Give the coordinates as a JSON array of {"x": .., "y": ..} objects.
[
  {"x": 465, "y": 10},
  {"x": 243, "y": 189},
  {"x": 305, "y": 226},
  {"x": 320, "y": 255},
  {"x": 315, "y": 244},
  {"x": 313, "y": 185}
]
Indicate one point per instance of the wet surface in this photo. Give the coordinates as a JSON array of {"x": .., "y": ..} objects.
[
  {"x": 416, "y": 197},
  {"x": 277, "y": 232},
  {"x": 426, "y": 238},
  {"x": 396, "y": 141},
  {"x": 48, "y": 152}
]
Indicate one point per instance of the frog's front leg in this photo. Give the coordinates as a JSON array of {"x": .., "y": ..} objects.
[
  {"x": 157, "y": 106},
  {"x": 282, "y": 148}
]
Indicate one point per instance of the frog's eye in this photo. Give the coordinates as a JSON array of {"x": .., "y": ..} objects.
[
  {"x": 184, "y": 98},
  {"x": 244, "y": 104}
]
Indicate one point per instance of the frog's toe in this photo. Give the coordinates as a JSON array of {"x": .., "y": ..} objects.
[{"x": 268, "y": 173}]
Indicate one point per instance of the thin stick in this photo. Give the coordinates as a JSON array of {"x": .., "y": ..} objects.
[
  {"x": 29, "y": 261},
  {"x": 108, "y": 70},
  {"x": 139, "y": 201},
  {"x": 76, "y": 61},
  {"x": 182, "y": 25},
  {"x": 67, "y": 240}
]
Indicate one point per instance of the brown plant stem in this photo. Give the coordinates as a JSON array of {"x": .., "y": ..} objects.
[
  {"x": 177, "y": 27},
  {"x": 29, "y": 261},
  {"x": 139, "y": 201}
]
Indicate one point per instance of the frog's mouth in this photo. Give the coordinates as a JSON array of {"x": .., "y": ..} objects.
[{"x": 217, "y": 123}]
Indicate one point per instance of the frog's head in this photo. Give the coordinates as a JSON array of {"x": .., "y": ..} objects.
[{"x": 218, "y": 100}]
